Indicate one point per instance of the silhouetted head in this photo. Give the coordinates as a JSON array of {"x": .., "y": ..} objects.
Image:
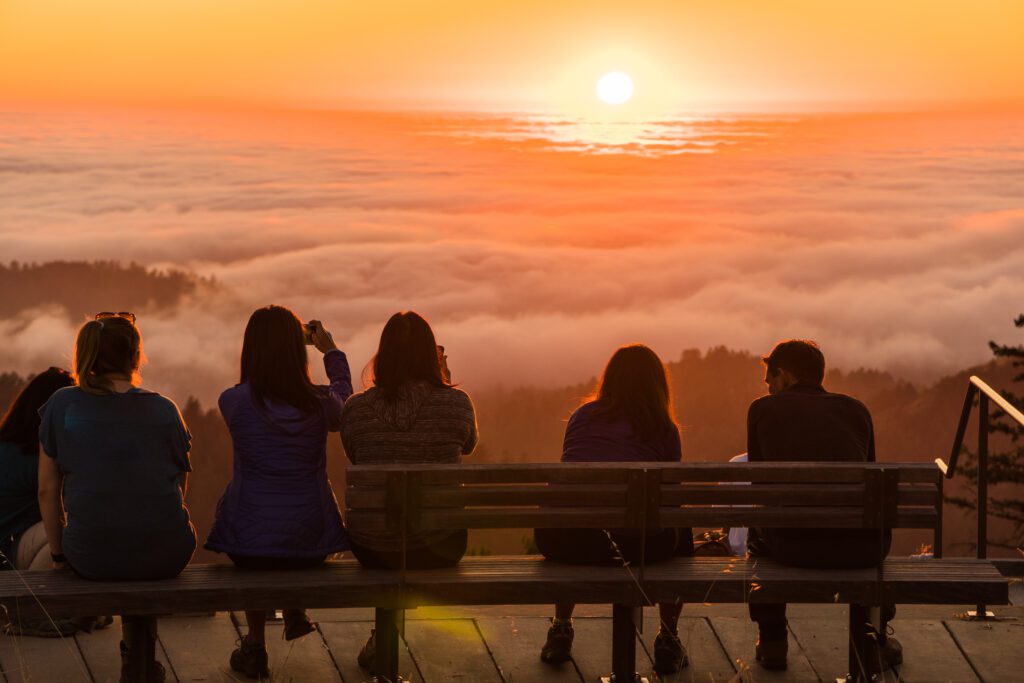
[
  {"x": 794, "y": 361},
  {"x": 274, "y": 360},
  {"x": 407, "y": 353},
  {"x": 635, "y": 385},
  {"x": 107, "y": 348},
  {"x": 20, "y": 425}
]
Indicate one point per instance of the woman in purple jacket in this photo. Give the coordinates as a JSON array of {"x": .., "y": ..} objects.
[
  {"x": 629, "y": 419},
  {"x": 279, "y": 510}
]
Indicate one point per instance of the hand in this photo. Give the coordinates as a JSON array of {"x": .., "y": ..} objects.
[
  {"x": 60, "y": 565},
  {"x": 322, "y": 339},
  {"x": 442, "y": 359}
]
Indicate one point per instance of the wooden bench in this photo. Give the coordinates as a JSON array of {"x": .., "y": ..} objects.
[{"x": 637, "y": 496}]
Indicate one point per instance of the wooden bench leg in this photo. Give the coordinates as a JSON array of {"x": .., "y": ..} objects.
[
  {"x": 385, "y": 667},
  {"x": 139, "y": 634},
  {"x": 624, "y": 620}
]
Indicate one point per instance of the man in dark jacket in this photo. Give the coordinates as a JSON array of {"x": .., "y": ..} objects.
[{"x": 800, "y": 421}]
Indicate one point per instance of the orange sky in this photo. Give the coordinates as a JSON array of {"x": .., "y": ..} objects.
[{"x": 684, "y": 54}]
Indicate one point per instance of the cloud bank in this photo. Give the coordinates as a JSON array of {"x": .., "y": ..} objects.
[{"x": 895, "y": 241}]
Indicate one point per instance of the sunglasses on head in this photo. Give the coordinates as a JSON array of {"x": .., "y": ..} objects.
[{"x": 127, "y": 315}]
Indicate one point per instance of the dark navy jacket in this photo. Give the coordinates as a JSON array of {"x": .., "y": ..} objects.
[
  {"x": 805, "y": 423},
  {"x": 279, "y": 502}
]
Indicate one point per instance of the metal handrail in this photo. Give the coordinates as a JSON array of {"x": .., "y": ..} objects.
[{"x": 985, "y": 393}]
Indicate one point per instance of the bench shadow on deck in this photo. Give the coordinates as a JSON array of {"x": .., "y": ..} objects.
[{"x": 501, "y": 644}]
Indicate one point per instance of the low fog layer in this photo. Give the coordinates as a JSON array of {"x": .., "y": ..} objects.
[{"x": 895, "y": 241}]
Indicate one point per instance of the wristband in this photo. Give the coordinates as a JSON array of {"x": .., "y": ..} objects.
[{"x": 58, "y": 558}]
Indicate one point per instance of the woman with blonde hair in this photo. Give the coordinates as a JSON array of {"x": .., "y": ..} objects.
[{"x": 119, "y": 454}]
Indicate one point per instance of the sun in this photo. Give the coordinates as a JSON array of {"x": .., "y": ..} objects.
[{"x": 615, "y": 87}]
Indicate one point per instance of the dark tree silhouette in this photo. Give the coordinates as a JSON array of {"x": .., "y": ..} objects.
[{"x": 1005, "y": 467}]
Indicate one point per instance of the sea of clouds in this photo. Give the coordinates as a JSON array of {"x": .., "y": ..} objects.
[{"x": 896, "y": 241}]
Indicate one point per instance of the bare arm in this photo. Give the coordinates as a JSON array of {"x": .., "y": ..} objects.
[{"x": 50, "y": 504}]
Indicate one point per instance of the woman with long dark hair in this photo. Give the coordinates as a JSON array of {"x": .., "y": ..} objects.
[
  {"x": 628, "y": 419},
  {"x": 23, "y": 544},
  {"x": 279, "y": 510},
  {"x": 411, "y": 414},
  {"x": 119, "y": 455}
]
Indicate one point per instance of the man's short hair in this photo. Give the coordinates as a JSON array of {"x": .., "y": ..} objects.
[{"x": 801, "y": 357}]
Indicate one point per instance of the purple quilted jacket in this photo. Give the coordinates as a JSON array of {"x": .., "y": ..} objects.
[{"x": 279, "y": 502}]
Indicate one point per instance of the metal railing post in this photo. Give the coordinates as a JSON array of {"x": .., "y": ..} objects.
[{"x": 982, "y": 613}]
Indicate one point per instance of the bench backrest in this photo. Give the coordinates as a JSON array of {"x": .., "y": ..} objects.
[{"x": 645, "y": 496}]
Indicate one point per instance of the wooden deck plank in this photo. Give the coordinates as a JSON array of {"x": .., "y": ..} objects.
[
  {"x": 344, "y": 640},
  {"x": 930, "y": 654},
  {"x": 515, "y": 643},
  {"x": 739, "y": 635},
  {"x": 30, "y": 660},
  {"x": 199, "y": 647},
  {"x": 824, "y": 643},
  {"x": 708, "y": 661},
  {"x": 305, "y": 659},
  {"x": 450, "y": 650},
  {"x": 993, "y": 648}
]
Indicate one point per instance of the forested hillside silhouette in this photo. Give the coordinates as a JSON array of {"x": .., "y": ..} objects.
[
  {"x": 131, "y": 287},
  {"x": 712, "y": 390}
]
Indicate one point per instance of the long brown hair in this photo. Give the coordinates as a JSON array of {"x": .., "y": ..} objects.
[
  {"x": 635, "y": 386},
  {"x": 104, "y": 347},
  {"x": 274, "y": 360},
  {"x": 407, "y": 353}
]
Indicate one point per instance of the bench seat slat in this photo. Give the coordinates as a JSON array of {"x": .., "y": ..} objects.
[{"x": 503, "y": 580}]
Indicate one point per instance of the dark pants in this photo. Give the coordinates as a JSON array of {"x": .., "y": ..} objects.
[
  {"x": 445, "y": 552},
  {"x": 814, "y": 549},
  {"x": 594, "y": 547}
]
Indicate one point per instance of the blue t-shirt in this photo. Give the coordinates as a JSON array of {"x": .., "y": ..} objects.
[
  {"x": 121, "y": 455},
  {"x": 19, "y": 483}
]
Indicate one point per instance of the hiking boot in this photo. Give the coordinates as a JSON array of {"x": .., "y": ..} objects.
[
  {"x": 297, "y": 624},
  {"x": 885, "y": 656},
  {"x": 669, "y": 653},
  {"x": 251, "y": 659},
  {"x": 771, "y": 654},
  {"x": 558, "y": 647},
  {"x": 369, "y": 652},
  {"x": 155, "y": 672}
]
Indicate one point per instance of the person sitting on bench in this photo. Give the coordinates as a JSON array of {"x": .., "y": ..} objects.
[
  {"x": 410, "y": 414},
  {"x": 279, "y": 511},
  {"x": 119, "y": 454},
  {"x": 628, "y": 419},
  {"x": 800, "y": 421},
  {"x": 23, "y": 544}
]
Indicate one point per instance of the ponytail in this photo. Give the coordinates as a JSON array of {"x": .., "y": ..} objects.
[{"x": 111, "y": 345}]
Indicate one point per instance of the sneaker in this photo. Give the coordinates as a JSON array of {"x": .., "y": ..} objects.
[
  {"x": 368, "y": 654},
  {"x": 669, "y": 654},
  {"x": 558, "y": 647},
  {"x": 156, "y": 673},
  {"x": 251, "y": 659},
  {"x": 885, "y": 656},
  {"x": 771, "y": 654},
  {"x": 297, "y": 624}
]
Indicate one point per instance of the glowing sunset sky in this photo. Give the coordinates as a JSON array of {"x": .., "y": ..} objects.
[{"x": 453, "y": 54}]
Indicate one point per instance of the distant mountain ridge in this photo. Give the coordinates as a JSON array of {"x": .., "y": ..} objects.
[{"x": 125, "y": 287}]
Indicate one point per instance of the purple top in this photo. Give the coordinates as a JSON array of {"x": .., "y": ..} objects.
[
  {"x": 279, "y": 502},
  {"x": 594, "y": 438}
]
